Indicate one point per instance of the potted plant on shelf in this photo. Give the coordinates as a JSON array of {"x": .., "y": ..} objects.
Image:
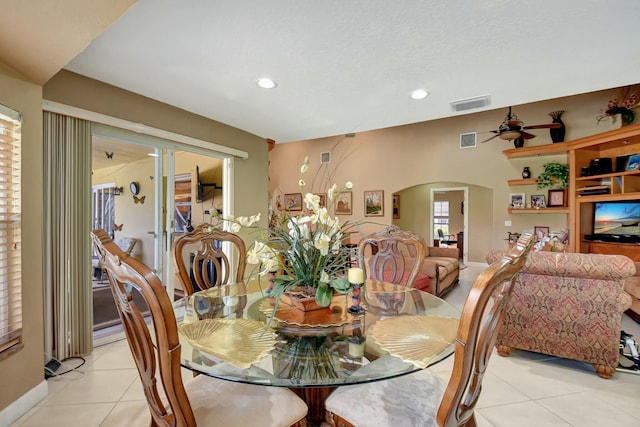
[{"x": 554, "y": 175}]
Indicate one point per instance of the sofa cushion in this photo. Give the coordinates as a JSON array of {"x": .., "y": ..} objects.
[
  {"x": 422, "y": 281},
  {"x": 449, "y": 264}
]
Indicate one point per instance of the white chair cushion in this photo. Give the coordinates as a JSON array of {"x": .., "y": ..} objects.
[
  {"x": 225, "y": 403},
  {"x": 408, "y": 401}
]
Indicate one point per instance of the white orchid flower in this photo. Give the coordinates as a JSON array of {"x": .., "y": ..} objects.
[
  {"x": 348, "y": 185},
  {"x": 305, "y": 166},
  {"x": 301, "y": 183},
  {"x": 324, "y": 277},
  {"x": 312, "y": 201},
  {"x": 322, "y": 243},
  {"x": 235, "y": 227}
]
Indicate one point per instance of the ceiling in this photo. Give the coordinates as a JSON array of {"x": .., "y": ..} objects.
[{"x": 347, "y": 66}]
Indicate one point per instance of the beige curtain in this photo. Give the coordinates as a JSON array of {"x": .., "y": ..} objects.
[{"x": 67, "y": 227}]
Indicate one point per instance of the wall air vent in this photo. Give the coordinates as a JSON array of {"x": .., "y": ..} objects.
[
  {"x": 468, "y": 140},
  {"x": 325, "y": 157},
  {"x": 470, "y": 103}
]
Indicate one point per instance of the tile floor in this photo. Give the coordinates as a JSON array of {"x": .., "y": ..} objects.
[{"x": 522, "y": 390}]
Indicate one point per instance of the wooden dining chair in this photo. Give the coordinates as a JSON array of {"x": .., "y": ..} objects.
[
  {"x": 393, "y": 255},
  {"x": 420, "y": 399},
  {"x": 202, "y": 401},
  {"x": 200, "y": 261}
]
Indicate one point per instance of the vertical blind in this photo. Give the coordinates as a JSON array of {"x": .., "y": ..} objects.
[{"x": 10, "y": 231}]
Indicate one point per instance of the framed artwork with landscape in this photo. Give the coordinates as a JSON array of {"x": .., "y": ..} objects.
[
  {"x": 396, "y": 206},
  {"x": 374, "y": 203},
  {"x": 343, "y": 203}
]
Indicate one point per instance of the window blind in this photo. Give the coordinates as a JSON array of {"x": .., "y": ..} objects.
[{"x": 10, "y": 230}]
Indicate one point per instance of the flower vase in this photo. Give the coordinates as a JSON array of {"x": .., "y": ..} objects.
[
  {"x": 557, "y": 134},
  {"x": 301, "y": 300}
]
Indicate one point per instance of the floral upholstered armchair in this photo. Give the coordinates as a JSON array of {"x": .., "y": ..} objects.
[{"x": 568, "y": 305}]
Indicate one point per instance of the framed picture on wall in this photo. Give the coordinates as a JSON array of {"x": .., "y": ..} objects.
[
  {"x": 516, "y": 200},
  {"x": 374, "y": 203},
  {"x": 540, "y": 232},
  {"x": 557, "y": 198},
  {"x": 343, "y": 203},
  {"x": 293, "y": 201},
  {"x": 396, "y": 206},
  {"x": 538, "y": 201},
  {"x": 323, "y": 199}
]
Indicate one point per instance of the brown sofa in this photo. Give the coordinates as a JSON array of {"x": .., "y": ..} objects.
[
  {"x": 443, "y": 268},
  {"x": 568, "y": 305}
]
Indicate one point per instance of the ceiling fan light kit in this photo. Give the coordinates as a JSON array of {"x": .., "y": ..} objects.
[{"x": 513, "y": 129}]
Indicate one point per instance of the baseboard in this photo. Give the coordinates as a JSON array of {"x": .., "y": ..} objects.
[{"x": 23, "y": 404}]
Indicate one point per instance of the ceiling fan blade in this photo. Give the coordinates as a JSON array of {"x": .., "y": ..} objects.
[
  {"x": 490, "y": 131},
  {"x": 547, "y": 126},
  {"x": 526, "y": 135},
  {"x": 489, "y": 139}
]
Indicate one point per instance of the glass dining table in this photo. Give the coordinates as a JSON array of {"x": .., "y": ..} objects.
[{"x": 237, "y": 332}]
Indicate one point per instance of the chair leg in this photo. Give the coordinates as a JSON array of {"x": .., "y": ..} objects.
[
  {"x": 503, "y": 350},
  {"x": 604, "y": 371}
]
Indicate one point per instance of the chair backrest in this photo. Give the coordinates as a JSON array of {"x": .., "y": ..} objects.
[
  {"x": 157, "y": 365},
  {"x": 440, "y": 234},
  {"x": 201, "y": 262},
  {"x": 127, "y": 244},
  {"x": 479, "y": 323},
  {"x": 394, "y": 255}
]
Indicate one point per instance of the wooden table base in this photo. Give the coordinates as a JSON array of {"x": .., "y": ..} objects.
[{"x": 314, "y": 398}]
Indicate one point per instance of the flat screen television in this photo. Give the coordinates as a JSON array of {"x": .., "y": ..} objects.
[{"x": 617, "y": 221}]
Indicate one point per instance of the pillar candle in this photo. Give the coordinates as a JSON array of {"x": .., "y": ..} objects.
[{"x": 356, "y": 275}]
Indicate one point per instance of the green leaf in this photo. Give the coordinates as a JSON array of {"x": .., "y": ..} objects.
[
  {"x": 340, "y": 284},
  {"x": 323, "y": 295}
]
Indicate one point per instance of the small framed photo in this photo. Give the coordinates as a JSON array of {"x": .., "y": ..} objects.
[
  {"x": 557, "y": 198},
  {"x": 323, "y": 199},
  {"x": 293, "y": 201},
  {"x": 516, "y": 200},
  {"x": 396, "y": 206},
  {"x": 633, "y": 163},
  {"x": 540, "y": 232},
  {"x": 538, "y": 201},
  {"x": 343, "y": 204},
  {"x": 374, "y": 203}
]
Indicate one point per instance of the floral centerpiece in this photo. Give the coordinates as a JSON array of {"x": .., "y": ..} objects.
[
  {"x": 308, "y": 248},
  {"x": 624, "y": 108}
]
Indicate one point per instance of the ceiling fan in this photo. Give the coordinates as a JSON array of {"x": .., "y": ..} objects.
[{"x": 513, "y": 129}]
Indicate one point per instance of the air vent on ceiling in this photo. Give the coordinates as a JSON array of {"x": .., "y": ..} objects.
[
  {"x": 325, "y": 157},
  {"x": 468, "y": 140},
  {"x": 470, "y": 103}
]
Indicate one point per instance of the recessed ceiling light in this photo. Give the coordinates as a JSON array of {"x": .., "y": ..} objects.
[
  {"x": 266, "y": 83},
  {"x": 419, "y": 94}
]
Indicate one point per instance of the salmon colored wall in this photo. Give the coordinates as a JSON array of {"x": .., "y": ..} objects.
[{"x": 402, "y": 157}]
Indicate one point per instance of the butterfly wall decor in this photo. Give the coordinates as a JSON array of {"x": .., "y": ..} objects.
[
  {"x": 109, "y": 155},
  {"x": 118, "y": 227},
  {"x": 139, "y": 199}
]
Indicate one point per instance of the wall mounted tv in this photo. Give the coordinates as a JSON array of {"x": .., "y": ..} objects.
[{"x": 617, "y": 221}]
